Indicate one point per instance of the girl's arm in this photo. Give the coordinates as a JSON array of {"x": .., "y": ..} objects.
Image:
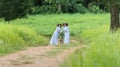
[{"x": 58, "y": 29}]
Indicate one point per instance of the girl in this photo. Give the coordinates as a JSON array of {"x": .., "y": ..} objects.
[
  {"x": 54, "y": 38},
  {"x": 66, "y": 33}
]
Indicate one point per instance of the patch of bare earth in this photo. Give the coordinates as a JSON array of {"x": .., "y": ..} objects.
[{"x": 36, "y": 57}]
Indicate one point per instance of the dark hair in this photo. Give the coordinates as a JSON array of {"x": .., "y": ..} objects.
[
  {"x": 66, "y": 24},
  {"x": 58, "y": 24}
]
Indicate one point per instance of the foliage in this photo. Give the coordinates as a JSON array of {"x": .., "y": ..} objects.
[
  {"x": 43, "y": 9},
  {"x": 95, "y": 9},
  {"x": 20, "y": 8},
  {"x": 11, "y": 9},
  {"x": 80, "y": 8}
]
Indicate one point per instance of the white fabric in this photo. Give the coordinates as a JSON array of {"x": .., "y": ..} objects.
[
  {"x": 54, "y": 38},
  {"x": 66, "y": 35}
]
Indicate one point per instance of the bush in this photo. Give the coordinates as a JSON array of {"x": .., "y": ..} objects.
[
  {"x": 80, "y": 8},
  {"x": 95, "y": 9},
  {"x": 43, "y": 9}
]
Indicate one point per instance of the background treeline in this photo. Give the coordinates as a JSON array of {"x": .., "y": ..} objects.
[
  {"x": 68, "y": 6},
  {"x": 11, "y": 9}
]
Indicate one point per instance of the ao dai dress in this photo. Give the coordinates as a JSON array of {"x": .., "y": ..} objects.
[
  {"x": 66, "y": 35},
  {"x": 54, "y": 38}
]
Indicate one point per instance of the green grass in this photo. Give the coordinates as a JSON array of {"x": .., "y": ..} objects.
[
  {"x": 45, "y": 24},
  {"x": 102, "y": 46},
  {"x": 102, "y": 51},
  {"x": 13, "y": 38}
]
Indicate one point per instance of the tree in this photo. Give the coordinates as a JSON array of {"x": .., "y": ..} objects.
[
  {"x": 58, "y": 3},
  {"x": 114, "y": 11},
  {"x": 11, "y": 9},
  {"x": 38, "y": 2}
]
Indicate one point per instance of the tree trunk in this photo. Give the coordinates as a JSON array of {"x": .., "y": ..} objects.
[
  {"x": 86, "y": 3},
  {"x": 114, "y": 17},
  {"x": 59, "y": 8}
]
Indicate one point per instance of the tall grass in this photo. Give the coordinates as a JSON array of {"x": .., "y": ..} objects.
[
  {"x": 102, "y": 49},
  {"x": 13, "y": 38}
]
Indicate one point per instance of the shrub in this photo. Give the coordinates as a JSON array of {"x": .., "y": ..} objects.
[
  {"x": 95, "y": 9},
  {"x": 43, "y": 9},
  {"x": 80, "y": 8}
]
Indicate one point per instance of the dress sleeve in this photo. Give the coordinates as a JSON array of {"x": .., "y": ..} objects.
[
  {"x": 58, "y": 29},
  {"x": 65, "y": 29}
]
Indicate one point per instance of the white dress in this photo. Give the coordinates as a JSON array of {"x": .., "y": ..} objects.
[
  {"x": 54, "y": 38},
  {"x": 66, "y": 35}
]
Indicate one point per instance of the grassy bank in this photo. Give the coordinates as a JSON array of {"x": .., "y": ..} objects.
[
  {"x": 14, "y": 37},
  {"x": 102, "y": 46}
]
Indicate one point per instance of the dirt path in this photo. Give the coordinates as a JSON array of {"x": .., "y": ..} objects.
[{"x": 43, "y": 56}]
